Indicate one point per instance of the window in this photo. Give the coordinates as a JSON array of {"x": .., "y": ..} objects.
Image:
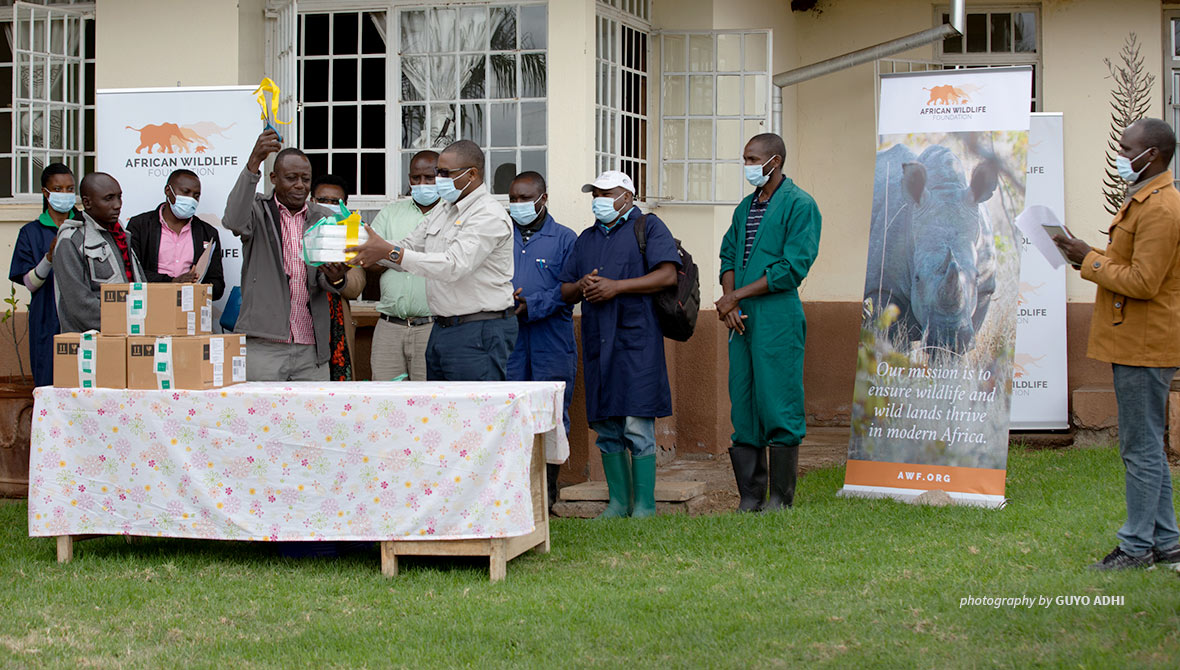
[
  {"x": 1172, "y": 73},
  {"x": 46, "y": 93},
  {"x": 715, "y": 92},
  {"x": 342, "y": 84},
  {"x": 620, "y": 112},
  {"x": 999, "y": 36},
  {"x": 474, "y": 71},
  {"x": 477, "y": 73}
]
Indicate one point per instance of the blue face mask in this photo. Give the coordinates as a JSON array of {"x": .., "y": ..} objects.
[
  {"x": 523, "y": 213},
  {"x": 754, "y": 174},
  {"x": 446, "y": 187},
  {"x": 604, "y": 208},
  {"x": 1126, "y": 171},
  {"x": 424, "y": 194},
  {"x": 62, "y": 202},
  {"x": 184, "y": 207}
]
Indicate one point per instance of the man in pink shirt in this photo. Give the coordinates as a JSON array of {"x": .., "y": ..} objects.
[{"x": 169, "y": 238}]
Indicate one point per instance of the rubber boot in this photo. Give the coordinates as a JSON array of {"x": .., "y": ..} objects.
[
  {"x": 749, "y": 469},
  {"x": 643, "y": 474},
  {"x": 551, "y": 470},
  {"x": 618, "y": 483},
  {"x": 784, "y": 469}
]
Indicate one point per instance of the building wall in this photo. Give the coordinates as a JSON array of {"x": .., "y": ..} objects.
[{"x": 828, "y": 125}]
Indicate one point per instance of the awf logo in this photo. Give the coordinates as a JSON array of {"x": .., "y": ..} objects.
[
  {"x": 947, "y": 102},
  {"x": 949, "y": 95},
  {"x": 170, "y": 137}
]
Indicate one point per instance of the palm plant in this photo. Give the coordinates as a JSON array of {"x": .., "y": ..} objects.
[{"x": 1130, "y": 100}]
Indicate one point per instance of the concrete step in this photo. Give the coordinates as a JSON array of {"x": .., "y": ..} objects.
[{"x": 666, "y": 491}]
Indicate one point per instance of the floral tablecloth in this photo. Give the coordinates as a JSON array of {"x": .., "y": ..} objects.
[{"x": 292, "y": 461}]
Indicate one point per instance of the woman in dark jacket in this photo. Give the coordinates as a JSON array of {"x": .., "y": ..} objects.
[{"x": 169, "y": 228}]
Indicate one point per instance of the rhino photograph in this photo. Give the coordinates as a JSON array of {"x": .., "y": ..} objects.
[{"x": 934, "y": 369}]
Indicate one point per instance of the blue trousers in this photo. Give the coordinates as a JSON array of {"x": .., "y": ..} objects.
[
  {"x": 476, "y": 351},
  {"x": 618, "y": 433},
  {"x": 1142, "y": 396}
]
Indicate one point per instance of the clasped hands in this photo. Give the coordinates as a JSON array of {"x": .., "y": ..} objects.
[
  {"x": 597, "y": 289},
  {"x": 729, "y": 312}
]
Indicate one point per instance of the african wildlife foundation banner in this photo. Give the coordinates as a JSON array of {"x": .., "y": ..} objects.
[
  {"x": 143, "y": 134},
  {"x": 935, "y": 364}
]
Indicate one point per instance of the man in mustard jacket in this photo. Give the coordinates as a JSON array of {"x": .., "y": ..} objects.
[
  {"x": 765, "y": 255},
  {"x": 1136, "y": 328}
]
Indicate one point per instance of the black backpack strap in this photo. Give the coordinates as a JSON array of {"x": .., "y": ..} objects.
[{"x": 641, "y": 235}]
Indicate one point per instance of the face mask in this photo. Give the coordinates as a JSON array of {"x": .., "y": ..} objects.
[
  {"x": 446, "y": 188},
  {"x": 62, "y": 202},
  {"x": 754, "y": 173},
  {"x": 424, "y": 194},
  {"x": 523, "y": 213},
  {"x": 604, "y": 208},
  {"x": 1123, "y": 165},
  {"x": 184, "y": 207}
]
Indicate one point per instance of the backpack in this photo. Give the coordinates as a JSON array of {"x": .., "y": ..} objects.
[{"x": 676, "y": 306}]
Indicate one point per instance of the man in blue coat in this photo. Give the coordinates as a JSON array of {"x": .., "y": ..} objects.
[
  {"x": 622, "y": 345},
  {"x": 545, "y": 349},
  {"x": 32, "y": 265}
]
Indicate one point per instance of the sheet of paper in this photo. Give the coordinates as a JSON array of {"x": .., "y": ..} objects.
[
  {"x": 202, "y": 264},
  {"x": 1030, "y": 222}
]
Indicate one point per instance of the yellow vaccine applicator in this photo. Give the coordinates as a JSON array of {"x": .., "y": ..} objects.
[{"x": 269, "y": 116}]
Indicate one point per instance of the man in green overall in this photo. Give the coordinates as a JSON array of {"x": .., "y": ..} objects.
[{"x": 765, "y": 255}]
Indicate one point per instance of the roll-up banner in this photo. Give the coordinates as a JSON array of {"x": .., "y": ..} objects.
[
  {"x": 142, "y": 135},
  {"x": 935, "y": 362},
  {"x": 1040, "y": 395}
]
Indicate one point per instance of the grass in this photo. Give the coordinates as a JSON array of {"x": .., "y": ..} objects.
[{"x": 832, "y": 583}]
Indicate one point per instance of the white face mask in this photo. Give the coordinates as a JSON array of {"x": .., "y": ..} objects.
[
  {"x": 754, "y": 173},
  {"x": 183, "y": 207}
]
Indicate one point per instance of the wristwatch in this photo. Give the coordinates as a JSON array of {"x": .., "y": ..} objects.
[{"x": 395, "y": 256}]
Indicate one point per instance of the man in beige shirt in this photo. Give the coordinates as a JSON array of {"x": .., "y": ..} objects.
[{"x": 464, "y": 250}]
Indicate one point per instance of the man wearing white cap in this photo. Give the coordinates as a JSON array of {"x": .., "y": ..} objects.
[{"x": 622, "y": 345}]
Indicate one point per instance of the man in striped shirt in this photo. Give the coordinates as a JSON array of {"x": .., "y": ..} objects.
[{"x": 771, "y": 244}]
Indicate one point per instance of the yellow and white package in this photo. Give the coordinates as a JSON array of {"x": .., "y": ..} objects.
[{"x": 326, "y": 241}]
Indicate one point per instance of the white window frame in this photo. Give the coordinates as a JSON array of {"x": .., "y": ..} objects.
[
  {"x": 954, "y": 61},
  {"x": 26, "y": 103},
  {"x": 608, "y": 113},
  {"x": 717, "y": 163},
  {"x": 289, "y": 12},
  {"x": 1171, "y": 70}
]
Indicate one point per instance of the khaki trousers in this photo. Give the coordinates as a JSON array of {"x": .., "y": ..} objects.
[{"x": 399, "y": 350}]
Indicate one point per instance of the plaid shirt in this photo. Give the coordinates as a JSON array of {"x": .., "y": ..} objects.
[{"x": 302, "y": 330}]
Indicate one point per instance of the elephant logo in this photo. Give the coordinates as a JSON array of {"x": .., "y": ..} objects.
[{"x": 167, "y": 138}]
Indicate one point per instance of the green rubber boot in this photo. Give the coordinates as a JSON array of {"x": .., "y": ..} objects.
[
  {"x": 643, "y": 473},
  {"x": 618, "y": 483}
]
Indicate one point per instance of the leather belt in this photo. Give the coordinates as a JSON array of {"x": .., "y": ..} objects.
[
  {"x": 448, "y": 321},
  {"x": 416, "y": 321}
]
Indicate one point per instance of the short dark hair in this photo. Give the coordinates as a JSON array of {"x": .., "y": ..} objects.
[
  {"x": 330, "y": 180},
  {"x": 772, "y": 142},
  {"x": 469, "y": 151},
  {"x": 425, "y": 153},
  {"x": 535, "y": 177},
  {"x": 54, "y": 169},
  {"x": 182, "y": 172},
  {"x": 289, "y": 151},
  {"x": 1157, "y": 133},
  {"x": 91, "y": 182}
]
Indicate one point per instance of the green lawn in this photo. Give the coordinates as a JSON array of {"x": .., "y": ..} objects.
[{"x": 832, "y": 583}]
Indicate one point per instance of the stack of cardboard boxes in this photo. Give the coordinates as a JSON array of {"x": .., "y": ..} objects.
[{"x": 152, "y": 336}]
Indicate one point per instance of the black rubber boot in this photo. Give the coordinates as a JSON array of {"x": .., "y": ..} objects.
[
  {"x": 551, "y": 470},
  {"x": 784, "y": 470},
  {"x": 749, "y": 470}
]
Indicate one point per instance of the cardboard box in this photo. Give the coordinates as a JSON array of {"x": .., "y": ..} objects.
[
  {"x": 156, "y": 309},
  {"x": 197, "y": 362},
  {"x": 101, "y": 364}
]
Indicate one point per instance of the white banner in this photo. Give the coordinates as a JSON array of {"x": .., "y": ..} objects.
[
  {"x": 965, "y": 101},
  {"x": 1040, "y": 398},
  {"x": 142, "y": 135},
  {"x": 931, "y": 402}
]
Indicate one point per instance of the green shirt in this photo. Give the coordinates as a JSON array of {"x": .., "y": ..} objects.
[{"x": 402, "y": 294}]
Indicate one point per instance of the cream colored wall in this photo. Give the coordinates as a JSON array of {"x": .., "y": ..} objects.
[
  {"x": 1078, "y": 35},
  {"x": 571, "y": 110},
  {"x": 166, "y": 43}
]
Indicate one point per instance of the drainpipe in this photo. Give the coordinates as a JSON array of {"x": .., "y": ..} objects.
[{"x": 854, "y": 58}]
